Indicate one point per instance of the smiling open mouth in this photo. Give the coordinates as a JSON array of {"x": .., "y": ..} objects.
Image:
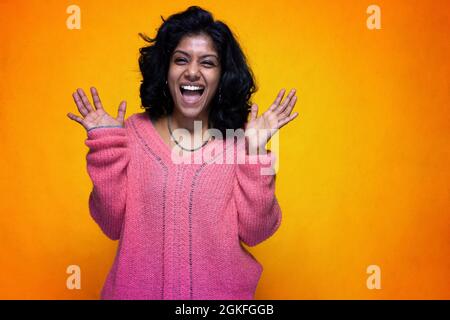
[{"x": 191, "y": 94}]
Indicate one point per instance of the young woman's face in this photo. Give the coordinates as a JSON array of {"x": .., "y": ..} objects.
[{"x": 194, "y": 74}]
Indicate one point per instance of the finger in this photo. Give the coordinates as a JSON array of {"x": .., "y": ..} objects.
[
  {"x": 79, "y": 103},
  {"x": 96, "y": 98},
  {"x": 291, "y": 105},
  {"x": 286, "y": 120},
  {"x": 286, "y": 102},
  {"x": 85, "y": 100},
  {"x": 277, "y": 100},
  {"x": 75, "y": 118},
  {"x": 254, "y": 112},
  {"x": 121, "y": 112}
]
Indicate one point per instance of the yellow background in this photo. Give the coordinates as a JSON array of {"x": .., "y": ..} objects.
[{"x": 364, "y": 169}]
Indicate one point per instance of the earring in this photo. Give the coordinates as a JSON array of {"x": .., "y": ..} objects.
[
  {"x": 164, "y": 90},
  {"x": 220, "y": 96}
]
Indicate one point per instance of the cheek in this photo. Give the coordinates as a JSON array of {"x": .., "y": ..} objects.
[
  {"x": 214, "y": 80},
  {"x": 172, "y": 80},
  {"x": 174, "y": 73}
]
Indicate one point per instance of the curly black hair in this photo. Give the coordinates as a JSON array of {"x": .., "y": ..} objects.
[{"x": 236, "y": 84}]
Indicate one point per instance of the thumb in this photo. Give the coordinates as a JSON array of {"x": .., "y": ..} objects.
[
  {"x": 121, "y": 112},
  {"x": 254, "y": 112}
]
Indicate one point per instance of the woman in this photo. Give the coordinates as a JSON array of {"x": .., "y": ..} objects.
[{"x": 179, "y": 226}]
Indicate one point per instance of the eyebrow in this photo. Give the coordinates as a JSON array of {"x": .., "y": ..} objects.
[{"x": 203, "y": 56}]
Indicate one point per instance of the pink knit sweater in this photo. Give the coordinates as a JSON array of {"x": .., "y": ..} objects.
[{"x": 179, "y": 226}]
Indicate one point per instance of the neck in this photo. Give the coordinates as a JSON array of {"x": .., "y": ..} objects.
[{"x": 179, "y": 121}]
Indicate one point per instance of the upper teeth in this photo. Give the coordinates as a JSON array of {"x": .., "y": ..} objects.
[{"x": 191, "y": 88}]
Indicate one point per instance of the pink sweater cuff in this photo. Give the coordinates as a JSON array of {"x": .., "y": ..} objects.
[
  {"x": 102, "y": 131},
  {"x": 262, "y": 164}
]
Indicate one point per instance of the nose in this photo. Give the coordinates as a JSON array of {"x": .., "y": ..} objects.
[{"x": 192, "y": 71}]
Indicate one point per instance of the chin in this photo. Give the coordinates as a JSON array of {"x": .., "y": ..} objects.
[{"x": 190, "y": 112}]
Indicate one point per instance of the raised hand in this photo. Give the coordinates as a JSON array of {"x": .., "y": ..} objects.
[
  {"x": 259, "y": 130},
  {"x": 97, "y": 117}
]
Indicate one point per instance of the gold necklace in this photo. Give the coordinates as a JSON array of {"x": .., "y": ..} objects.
[{"x": 173, "y": 138}]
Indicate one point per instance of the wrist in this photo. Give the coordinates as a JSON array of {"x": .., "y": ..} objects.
[
  {"x": 254, "y": 150},
  {"x": 103, "y": 127}
]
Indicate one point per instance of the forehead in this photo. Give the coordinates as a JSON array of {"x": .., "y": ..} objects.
[{"x": 197, "y": 45}]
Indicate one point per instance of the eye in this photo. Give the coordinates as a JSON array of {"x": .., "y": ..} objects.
[
  {"x": 180, "y": 60},
  {"x": 209, "y": 63}
]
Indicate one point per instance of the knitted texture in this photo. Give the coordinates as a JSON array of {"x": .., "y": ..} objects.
[{"x": 179, "y": 225}]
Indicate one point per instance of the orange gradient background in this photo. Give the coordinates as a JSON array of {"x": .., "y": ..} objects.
[{"x": 363, "y": 170}]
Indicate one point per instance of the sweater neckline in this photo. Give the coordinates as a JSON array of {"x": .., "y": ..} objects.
[{"x": 165, "y": 150}]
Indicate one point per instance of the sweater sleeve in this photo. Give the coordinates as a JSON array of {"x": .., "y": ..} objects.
[
  {"x": 259, "y": 214},
  {"x": 107, "y": 161}
]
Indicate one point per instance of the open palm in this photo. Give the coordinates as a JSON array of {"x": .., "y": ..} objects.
[
  {"x": 97, "y": 117},
  {"x": 259, "y": 130}
]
